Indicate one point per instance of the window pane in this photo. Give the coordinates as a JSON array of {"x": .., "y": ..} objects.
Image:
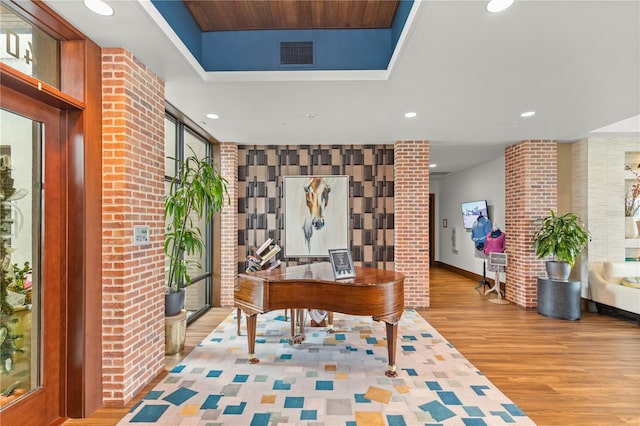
[
  {"x": 28, "y": 49},
  {"x": 169, "y": 146},
  {"x": 167, "y": 186},
  {"x": 185, "y": 143},
  {"x": 193, "y": 141},
  {"x": 19, "y": 241},
  {"x": 199, "y": 146},
  {"x": 196, "y": 296}
]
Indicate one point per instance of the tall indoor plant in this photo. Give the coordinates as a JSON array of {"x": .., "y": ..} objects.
[
  {"x": 197, "y": 192},
  {"x": 560, "y": 239}
]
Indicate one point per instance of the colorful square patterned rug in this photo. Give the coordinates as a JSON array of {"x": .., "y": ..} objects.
[{"x": 329, "y": 379}]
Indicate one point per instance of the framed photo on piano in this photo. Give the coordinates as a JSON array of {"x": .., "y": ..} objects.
[{"x": 342, "y": 263}]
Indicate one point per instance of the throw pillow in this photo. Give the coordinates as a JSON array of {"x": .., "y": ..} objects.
[{"x": 631, "y": 282}]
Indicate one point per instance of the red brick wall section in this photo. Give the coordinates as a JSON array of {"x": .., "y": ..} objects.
[
  {"x": 530, "y": 192},
  {"x": 411, "y": 208},
  {"x": 133, "y": 190},
  {"x": 229, "y": 224}
]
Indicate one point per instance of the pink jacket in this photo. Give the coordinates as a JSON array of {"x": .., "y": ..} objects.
[{"x": 494, "y": 245}]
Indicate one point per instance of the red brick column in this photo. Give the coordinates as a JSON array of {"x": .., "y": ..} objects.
[
  {"x": 531, "y": 175},
  {"x": 133, "y": 191},
  {"x": 411, "y": 220},
  {"x": 229, "y": 224}
]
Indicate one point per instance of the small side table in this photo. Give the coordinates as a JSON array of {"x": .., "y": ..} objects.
[{"x": 559, "y": 299}]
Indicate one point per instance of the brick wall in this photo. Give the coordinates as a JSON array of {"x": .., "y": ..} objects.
[
  {"x": 133, "y": 276},
  {"x": 530, "y": 192},
  {"x": 229, "y": 224},
  {"x": 411, "y": 207}
]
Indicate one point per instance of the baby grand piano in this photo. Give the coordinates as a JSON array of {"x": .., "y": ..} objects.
[{"x": 375, "y": 292}]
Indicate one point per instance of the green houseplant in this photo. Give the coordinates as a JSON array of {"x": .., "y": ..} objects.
[
  {"x": 197, "y": 192},
  {"x": 560, "y": 238}
]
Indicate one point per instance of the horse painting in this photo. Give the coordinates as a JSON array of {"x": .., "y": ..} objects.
[
  {"x": 316, "y": 193},
  {"x": 316, "y": 214}
]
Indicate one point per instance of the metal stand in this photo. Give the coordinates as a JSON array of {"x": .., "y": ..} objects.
[
  {"x": 483, "y": 282},
  {"x": 499, "y": 261}
]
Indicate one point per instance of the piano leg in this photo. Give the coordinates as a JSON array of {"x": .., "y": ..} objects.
[
  {"x": 301, "y": 314},
  {"x": 293, "y": 322},
  {"x": 330, "y": 329},
  {"x": 251, "y": 337},
  {"x": 392, "y": 334},
  {"x": 297, "y": 318}
]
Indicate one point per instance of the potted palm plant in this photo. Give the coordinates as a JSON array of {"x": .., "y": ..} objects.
[
  {"x": 197, "y": 192},
  {"x": 560, "y": 239}
]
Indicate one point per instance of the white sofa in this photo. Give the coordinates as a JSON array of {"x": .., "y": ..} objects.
[{"x": 606, "y": 289}]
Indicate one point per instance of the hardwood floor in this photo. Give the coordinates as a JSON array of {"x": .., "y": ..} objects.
[{"x": 584, "y": 372}]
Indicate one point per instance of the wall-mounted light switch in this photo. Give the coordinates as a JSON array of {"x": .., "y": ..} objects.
[{"x": 141, "y": 235}]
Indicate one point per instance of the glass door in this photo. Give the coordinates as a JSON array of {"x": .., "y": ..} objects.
[
  {"x": 31, "y": 279},
  {"x": 20, "y": 284}
]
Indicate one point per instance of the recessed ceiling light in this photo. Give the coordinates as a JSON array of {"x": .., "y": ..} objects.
[
  {"x": 432, "y": 165},
  {"x": 498, "y": 5},
  {"x": 99, "y": 7},
  {"x": 528, "y": 114},
  {"x": 213, "y": 116},
  {"x": 410, "y": 114}
]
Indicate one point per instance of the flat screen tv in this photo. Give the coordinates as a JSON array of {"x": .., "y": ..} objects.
[{"x": 471, "y": 210}]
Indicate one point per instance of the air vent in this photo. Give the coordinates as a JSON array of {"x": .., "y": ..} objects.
[
  {"x": 296, "y": 53},
  {"x": 438, "y": 174}
]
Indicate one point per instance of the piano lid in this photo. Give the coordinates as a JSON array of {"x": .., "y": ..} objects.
[{"x": 323, "y": 271}]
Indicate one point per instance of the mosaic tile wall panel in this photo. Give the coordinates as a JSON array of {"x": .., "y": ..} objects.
[{"x": 261, "y": 169}]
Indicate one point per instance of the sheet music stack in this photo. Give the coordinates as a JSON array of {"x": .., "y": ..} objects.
[{"x": 263, "y": 257}]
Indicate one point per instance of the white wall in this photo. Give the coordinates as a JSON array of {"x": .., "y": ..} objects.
[{"x": 485, "y": 181}]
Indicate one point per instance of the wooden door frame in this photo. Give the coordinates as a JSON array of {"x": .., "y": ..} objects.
[
  {"x": 79, "y": 99},
  {"x": 45, "y": 403},
  {"x": 432, "y": 226}
]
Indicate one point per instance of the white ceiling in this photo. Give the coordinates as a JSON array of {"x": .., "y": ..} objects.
[{"x": 467, "y": 73}]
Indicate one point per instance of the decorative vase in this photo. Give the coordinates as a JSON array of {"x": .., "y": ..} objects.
[
  {"x": 630, "y": 227},
  {"x": 558, "y": 271},
  {"x": 173, "y": 303}
]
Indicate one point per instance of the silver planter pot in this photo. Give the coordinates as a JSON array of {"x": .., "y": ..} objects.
[
  {"x": 173, "y": 303},
  {"x": 558, "y": 271}
]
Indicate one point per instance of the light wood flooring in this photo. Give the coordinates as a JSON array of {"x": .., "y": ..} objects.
[{"x": 584, "y": 372}]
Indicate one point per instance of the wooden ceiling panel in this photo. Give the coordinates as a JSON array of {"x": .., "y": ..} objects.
[
  {"x": 235, "y": 15},
  {"x": 257, "y": 15}
]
